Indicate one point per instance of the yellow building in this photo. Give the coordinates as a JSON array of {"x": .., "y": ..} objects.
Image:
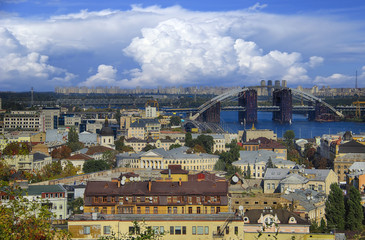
[
  {"x": 161, "y": 159},
  {"x": 203, "y": 193},
  {"x": 208, "y": 226}
]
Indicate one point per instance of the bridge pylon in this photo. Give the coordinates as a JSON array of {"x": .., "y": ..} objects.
[
  {"x": 212, "y": 114},
  {"x": 248, "y": 99},
  {"x": 283, "y": 99}
]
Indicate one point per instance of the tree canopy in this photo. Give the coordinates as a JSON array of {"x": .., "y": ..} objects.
[
  {"x": 95, "y": 166},
  {"x": 335, "y": 208},
  {"x": 354, "y": 211},
  {"x": 73, "y": 140},
  {"x": 21, "y": 218},
  {"x": 175, "y": 120}
]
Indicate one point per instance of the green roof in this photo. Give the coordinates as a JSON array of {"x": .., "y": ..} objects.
[{"x": 39, "y": 189}]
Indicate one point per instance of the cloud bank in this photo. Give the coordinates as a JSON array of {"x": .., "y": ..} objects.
[{"x": 172, "y": 46}]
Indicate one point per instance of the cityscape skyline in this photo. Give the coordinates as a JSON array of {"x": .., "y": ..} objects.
[{"x": 180, "y": 44}]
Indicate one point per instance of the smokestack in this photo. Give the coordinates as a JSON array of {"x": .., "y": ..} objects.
[{"x": 149, "y": 185}]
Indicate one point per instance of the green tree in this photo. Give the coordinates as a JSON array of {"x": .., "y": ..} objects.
[
  {"x": 175, "y": 120},
  {"x": 148, "y": 147},
  {"x": 95, "y": 166},
  {"x": 248, "y": 172},
  {"x": 119, "y": 144},
  {"x": 174, "y": 146},
  {"x": 270, "y": 164},
  {"x": 188, "y": 140},
  {"x": 205, "y": 141},
  {"x": 335, "y": 208},
  {"x": 354, "y": 211},
  {"x": 21, "y": 218},
  {"x": 220, "y": 165},
  {"x": 289, "y": 136},
  {"x": 73, "y": 140},
  {"x": 109, "y": 158},
  {"x": 75, "y": 205}
]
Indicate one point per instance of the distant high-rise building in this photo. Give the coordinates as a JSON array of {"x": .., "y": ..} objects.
[{"x": 283, "y": 83}]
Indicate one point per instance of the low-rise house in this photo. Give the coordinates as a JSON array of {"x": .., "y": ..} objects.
[
  {"x": 139, "y": 144},
  {"x": 161, "y": 159},
  {"x": 274, "y": 221},
  {"x": 300, "y": 145},
  {"x": 28, "y": 162},
  {"x": 96, "y": 152},
  {"x": 286, "y": 180},
  {"x": 78, "y": 160},
  {"x": 307, "y": 203},
  {"x": 257, "y": 162},
  {"x": 344, "y": 155},
  {"x": 54, "y": 196},
  {"x": 88, "y": 138}
]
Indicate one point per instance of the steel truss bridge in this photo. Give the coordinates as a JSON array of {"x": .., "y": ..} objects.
[{"x": 282, "y": 107}]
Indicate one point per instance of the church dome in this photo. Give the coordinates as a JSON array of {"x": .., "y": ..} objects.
[{"x": 106, "y": 130}]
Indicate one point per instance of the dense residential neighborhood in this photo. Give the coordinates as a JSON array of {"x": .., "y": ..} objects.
[{"x": 122, "y": 172}]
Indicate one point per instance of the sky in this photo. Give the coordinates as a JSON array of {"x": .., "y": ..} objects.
[{"x": 162, "y": 43}]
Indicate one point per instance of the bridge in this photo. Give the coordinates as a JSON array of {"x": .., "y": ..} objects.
[{"x": 282, "y": 106}]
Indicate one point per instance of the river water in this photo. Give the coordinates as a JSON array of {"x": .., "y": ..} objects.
[{"x": 300, "y": 125}]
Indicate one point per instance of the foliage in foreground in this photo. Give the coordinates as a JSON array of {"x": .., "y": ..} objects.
[{"x": 24, "y": 219}]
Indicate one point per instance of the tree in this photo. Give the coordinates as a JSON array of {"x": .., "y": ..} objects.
[
  {"x": 188, "y": 140},
  {"x": 21, "y": 218},
  {"x": 174, "y": 146},
  {"x": 16, "y": 148},
  {"x": 62, "y": 152},
  {"x": 248, "y": 172},
  {"x": 148, "y": 147},
  {"x": 75, "y": 205},
  {"x": 335, "y": 208},
  {"x": 220, "y": 165},
  {"x": 119, "y": 144},
  {"x": 73, "y": 140},
  {"x": 289, "y": 136},
  {"x": 109, "y": 158},
  {"x": 354, "y": 211},
  {"x": 270, "y": 164},
  {"x": 95, "y": 166},
  {"x": 205, "y": 141},
  {"x": 175, "y": 120}
]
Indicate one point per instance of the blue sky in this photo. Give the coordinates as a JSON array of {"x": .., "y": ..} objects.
[{"x": 180, "y": 43}]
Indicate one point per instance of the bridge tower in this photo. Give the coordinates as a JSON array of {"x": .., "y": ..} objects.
[
  {"x": 212, "y": 114},
  {"x": 248, "y": 99},
  {"x": 283, "y": 99}
]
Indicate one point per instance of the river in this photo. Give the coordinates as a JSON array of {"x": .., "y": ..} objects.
[{"x": 300, "y": 125}]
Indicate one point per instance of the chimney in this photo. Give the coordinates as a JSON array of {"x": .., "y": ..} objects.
[
  {"x": 118, "y": 183},
  {"x": 179, "y": 181},
  {"x": 169, "y": 172},
  {"x": 149, "y": 185}
]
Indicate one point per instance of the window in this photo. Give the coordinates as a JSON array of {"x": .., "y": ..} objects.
[
  {"x": 227, "y": 230},
  {"x": 171, "y": 230},
  {"x": 236, "y": 230},
  {"x": 87, "y": 230},
  {"x": 200, "y": 230},
  {"x": 169, "y": 210},
  {"x": 138, "y": 210},
  {"x": 320, "y": 187},
  {"x": 155, "y": 229},
  {"x": 194, "y": 230},
  {"x": 155, "y": 210},
  {"x": 198, "y": 210},
  {"x": 175, "y": 210},
  {"x": 147, "y": 210},
  {"x": 184, "y": 230},
  {"x": 162, "y": 229},
  {"x": 178, "y": 230},
  {"x": 273, "y": 186},
  {"x": 106, "y": 229},
  {"x": 206, "y": 230},
  {"x": 190, "y": 210},
  {"x": 212, "y": 210},
  {"x": 268, "y": 186}
]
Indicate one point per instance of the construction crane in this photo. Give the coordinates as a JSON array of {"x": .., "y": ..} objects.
[{"x": 358, "y": 108}]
